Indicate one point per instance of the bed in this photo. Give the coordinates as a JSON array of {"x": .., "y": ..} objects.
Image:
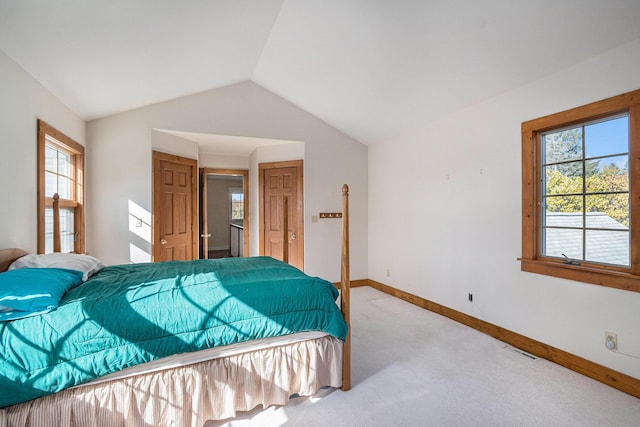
[{"x": 292, "y": 339}]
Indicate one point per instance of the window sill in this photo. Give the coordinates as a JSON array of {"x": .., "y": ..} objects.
[{"x": 587, "y": 274}]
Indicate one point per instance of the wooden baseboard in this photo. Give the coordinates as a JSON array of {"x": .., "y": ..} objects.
[
  {"x": 354, "y": 283},
  {"x": 358, "y": 283},
  {"x": 585, "y": 367}
]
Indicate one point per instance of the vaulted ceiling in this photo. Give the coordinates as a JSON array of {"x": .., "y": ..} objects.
[{"x": 371, "y": 68}]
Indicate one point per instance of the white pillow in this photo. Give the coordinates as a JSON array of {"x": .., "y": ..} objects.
[{"x": 88, "y": 265}]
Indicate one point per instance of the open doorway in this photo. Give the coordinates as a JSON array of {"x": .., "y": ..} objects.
[{"x": 224, "y": 219}]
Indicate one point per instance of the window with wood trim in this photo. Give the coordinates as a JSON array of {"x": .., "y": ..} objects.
[
  {"x": 580, "y": 189},
  {"x": 61, "y": 177},
  {"x": 236, "y": 197}
]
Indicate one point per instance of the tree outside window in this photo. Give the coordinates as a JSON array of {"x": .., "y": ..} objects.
[
  {"x": 237, "y": 203},
  {"x": 585, "y": 194}
]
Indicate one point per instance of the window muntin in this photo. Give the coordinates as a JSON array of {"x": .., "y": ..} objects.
[{"x": 585, "y": 192}]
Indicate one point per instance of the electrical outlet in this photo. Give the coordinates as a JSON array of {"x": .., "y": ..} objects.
[
  {"x": 611, "y": 341},
  {"x": 470, "y": 297},
  {"x": 388, "y": 272}
]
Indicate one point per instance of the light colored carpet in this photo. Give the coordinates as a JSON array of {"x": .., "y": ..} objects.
[{"x": 412, "y": 367}]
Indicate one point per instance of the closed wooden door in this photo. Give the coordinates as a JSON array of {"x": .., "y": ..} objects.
[
  {"x": 174, "y": 216},
  {"x": 282, "y": 180}
]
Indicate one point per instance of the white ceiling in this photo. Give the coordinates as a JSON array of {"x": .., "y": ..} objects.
[{"x": 371, "y": 68}]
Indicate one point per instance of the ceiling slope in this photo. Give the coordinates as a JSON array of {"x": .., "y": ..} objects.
[
  {"x": 102, "y": 57},
  {"x": 375, "y": 69}
]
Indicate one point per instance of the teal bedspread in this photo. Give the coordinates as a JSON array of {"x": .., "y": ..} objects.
[{"x": 130, "y": 314}]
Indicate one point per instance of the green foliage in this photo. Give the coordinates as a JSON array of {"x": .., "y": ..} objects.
[
  {"x": 562, "y": 183},
  {"x": 566, "y": 180}
]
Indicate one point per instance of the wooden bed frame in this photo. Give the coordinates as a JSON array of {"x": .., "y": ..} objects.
[
  {"x": 345, "y": 283},
  {"x": 37, "y": 411}
]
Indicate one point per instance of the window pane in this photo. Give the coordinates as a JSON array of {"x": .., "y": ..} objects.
[
  {"x": 67, "y": 235},
  {"x": 66, "y": 230},
  {"x": 64, "y": 187},
  {"x": 237, "y": 211},
  {"x": 50, "y": 157},
  {"x": 562, "y": 146},
  {"x": 568, "y": 241},
  {"x": 560, "y": 241},
  {"x": 564, "y": 179},
  {"x": 611, "y": 247},
  {"x": 609, "y": 137},
  {"x": 563, "y": 208},
  {"x": 50, "y": 184},
  {"x": 48, "y": 230},
  {"x": 64, "y": 164},
  {"x": 612, "y": 174},
  {"x": 608, "y": 211},
  {"x": 237, "y": 205}
]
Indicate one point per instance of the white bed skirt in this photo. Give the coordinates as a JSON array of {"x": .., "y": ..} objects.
[{"x": 193, "y": 394}]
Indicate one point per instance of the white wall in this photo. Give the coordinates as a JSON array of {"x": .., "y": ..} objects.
[
  {"x": 453, "y": 191},
  {"x": 172, "y": 144},
  {"x": 209, "y": 160},
  {"x": 22, "y": 101},
  {"x": 119, "y": 154}
]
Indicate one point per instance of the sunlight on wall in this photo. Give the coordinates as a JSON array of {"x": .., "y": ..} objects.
[
  {"x": 137, "y": 255},
  {"x": 140, "y": 225},
  {"x": 139, "y": 221}
]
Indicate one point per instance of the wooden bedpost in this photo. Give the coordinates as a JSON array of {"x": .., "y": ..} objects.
[
  {"x": 285, "y": 228},
  {"x": 345, "y": 285},
  {"x": 56, "y": 222}
]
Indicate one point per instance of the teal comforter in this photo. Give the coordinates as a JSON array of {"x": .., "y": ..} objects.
[{"x": 131, "y": 314}]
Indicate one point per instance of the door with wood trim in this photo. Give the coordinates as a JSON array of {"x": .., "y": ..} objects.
[
  {"x": 203, "y": 246},
  {"x": 174, "y": 208},
  {"x": 277, "y": 181}
]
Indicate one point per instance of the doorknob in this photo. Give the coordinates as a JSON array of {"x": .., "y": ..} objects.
[
  {"x": 205, "y": 235},
  {"x": 293, "y": 236},
  {"x": 163, "y": 242}
]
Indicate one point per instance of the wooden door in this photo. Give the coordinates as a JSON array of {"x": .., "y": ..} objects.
[
  {"x": 280, "y": 180},
  {"x": 174, "y": 208}
]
